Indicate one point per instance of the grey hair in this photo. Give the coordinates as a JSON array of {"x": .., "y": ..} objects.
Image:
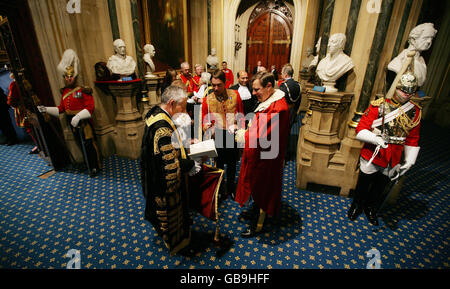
[
  {"x": 173, "y": 92},
  {"x": 206, "y": 77},
  {"x": 419, "y": 29},
  {"x": 287, "y": 69},
  {"x": 183, "y": 64}
]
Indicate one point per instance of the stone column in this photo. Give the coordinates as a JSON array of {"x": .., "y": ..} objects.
[
  {"x": 129, "y": 124},
  {"x": 322, "y": 157},
  {"x": 153, "y": 96}
]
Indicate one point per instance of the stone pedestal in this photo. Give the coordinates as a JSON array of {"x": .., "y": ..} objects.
[
  {"x": 129, "y": 123},
  {"x": 153, "y": 96},
  {"x": 323, "y": 157},
  {"x": 305, "y": 86}
]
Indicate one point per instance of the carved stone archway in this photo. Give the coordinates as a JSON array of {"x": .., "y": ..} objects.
[{"x": 229, "y": 21}]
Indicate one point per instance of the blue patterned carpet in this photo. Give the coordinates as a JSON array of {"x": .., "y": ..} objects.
[{"x": 41, "y": 220}]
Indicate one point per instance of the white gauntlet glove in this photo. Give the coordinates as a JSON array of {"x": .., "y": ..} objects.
[
  {"x": 51, "y": 110},
  {"x": 411, "y": 154},
  {"x": 369, "y": 137},
  {"x": 84, "y": 114}
]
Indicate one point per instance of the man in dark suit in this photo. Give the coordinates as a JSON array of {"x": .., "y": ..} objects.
[
  {"x": 245, "y": 91},
  {"x": 291, "y": 89},
  {"x": 257, "y": 67}
]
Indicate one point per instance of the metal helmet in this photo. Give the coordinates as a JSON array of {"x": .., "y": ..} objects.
[
  {"x": 70, "y": 71},
  {"x": 408, "y": 82}
]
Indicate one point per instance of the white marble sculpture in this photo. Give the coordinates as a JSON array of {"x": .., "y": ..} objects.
[
  {"x": 149, "y": 65},
  {"x": 309, "y": 58},
  {"x": 212, "y": 59},
  {"x": 335, "y": 64},
  {"x": 316, "y": 58},
  {"x": 120, "y": 63},
  {"x": 420, "y": 39}
]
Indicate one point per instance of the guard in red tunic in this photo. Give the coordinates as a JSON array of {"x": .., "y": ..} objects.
[
  {"x": 389, "y": 127},
  {"x": 78, "y": 104},
  {"x": 228, "y": 75},
  {"x": 262, "y": 161}
]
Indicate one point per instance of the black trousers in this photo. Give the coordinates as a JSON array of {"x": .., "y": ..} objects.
[
  {"x": 6, "y": 126},
  {"x": 227, "y": 154},
  {"x": 91, "y": 152},
  {"x": 369, "y": 189}
]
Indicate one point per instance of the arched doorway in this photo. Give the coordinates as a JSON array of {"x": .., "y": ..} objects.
[{"x": 269, "y": 36}]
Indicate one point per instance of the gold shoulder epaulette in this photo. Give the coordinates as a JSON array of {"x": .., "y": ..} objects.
[
  {"x": 377, "y": 102},
  {"x": 416, "y": 104},
  {"x": 86, "y": 90}
]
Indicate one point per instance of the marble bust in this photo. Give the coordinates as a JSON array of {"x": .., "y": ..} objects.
[
  {"x": 335, "y": 64},
  {"x": 315, "y": 60},
  {"x": 120, "y": 63},
  {"x": 212, "y": 59},
  {"x": 420, "y": 39},
  {"x": 309, "y": 58},
  {"x": 149, "y": 65}
]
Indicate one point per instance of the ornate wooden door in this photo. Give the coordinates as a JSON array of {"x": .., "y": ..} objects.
[{"x": 269, "y": 40}]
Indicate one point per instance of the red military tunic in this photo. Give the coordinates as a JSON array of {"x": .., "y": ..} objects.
[
  {"x": 220, "y": 112},
  {"x": 76, "y": 99},
  {"x": 229, "y": 77},
  {"x": 190, "y": 87},
  {"x": 263, "y": 178},
  {"x": 393, "y": 153}
]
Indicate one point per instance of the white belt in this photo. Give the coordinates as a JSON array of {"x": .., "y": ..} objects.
[{"x": 393, "y": 115}]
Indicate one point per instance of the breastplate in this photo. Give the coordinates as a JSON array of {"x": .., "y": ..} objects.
[{"x": 396, "y": 131}]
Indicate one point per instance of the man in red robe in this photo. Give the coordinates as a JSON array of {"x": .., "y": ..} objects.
[
  {"x": 198, "y": 68},
  {"x": 265, "y": 146},
  {"x": 228, "y": 75},
  {"x": 187, "y": 79}
]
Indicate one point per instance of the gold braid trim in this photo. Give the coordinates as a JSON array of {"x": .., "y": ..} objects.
[
  {"x": 377, "y": 102},
  {"x": 160, "y": 133},
  {"x": 406, "y": 123}
]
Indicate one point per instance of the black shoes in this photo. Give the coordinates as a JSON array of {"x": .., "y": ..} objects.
[
  {"x": 250, "y": 233},
  {"x": 250, "y": 214},
  {"x": 371, "y": 215},
  {"x": 94, "y": 172},
  {"x": 354, "y": 211}
]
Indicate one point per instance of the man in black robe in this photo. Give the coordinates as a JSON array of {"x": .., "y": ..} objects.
[{"x": 164, "y": 167}]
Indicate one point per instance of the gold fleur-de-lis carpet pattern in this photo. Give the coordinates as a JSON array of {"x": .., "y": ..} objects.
[{"x": 103, "y": 218}]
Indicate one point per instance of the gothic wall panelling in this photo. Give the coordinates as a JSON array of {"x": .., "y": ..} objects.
[
  {"x": 199, "y": 31},
  {"x": 89, "y": 34}
]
